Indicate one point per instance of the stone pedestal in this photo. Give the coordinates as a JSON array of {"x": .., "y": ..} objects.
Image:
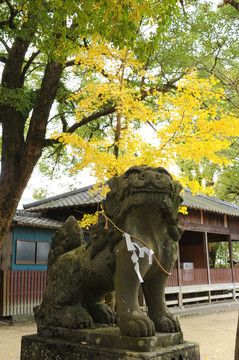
[{"x": 105, "y": 343}]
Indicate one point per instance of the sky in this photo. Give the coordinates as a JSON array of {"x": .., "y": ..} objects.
[
  {"x": 59, "y": 186},
  {"x": 54, "y": 187}
]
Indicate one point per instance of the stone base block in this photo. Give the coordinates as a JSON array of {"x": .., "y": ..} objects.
[{"x": 105, "y": 344}]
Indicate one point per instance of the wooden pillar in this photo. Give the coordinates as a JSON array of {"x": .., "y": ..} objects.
[
  {"x": 4, "y": 286},
  {"x": 225, "y": 221},
  {"x": 180, "y": 296},
  {"x": 1, "y": 292},
  {"x": 201, "y": 216},
  {"x": 231, "y": 265},
  {"x": 205, "y": 240}
]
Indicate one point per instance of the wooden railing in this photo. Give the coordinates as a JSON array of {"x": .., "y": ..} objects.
[
  {"x": 221, "y": 276},
  {"x": 200, "y": 277},
  {"x": 188, "y": 277},
  {"x": 194, "y": 277},
  {"x": 21, "y": 290},
  {"x": 173, "y": 278}
]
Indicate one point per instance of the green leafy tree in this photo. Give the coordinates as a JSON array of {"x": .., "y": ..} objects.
[
  {"x": 206, "y": 37},
  {"x": 37, "y": 41},
  {"x": 227, "y": 184}
]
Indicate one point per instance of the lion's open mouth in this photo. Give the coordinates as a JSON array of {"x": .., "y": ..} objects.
[
  {"x": 145, "y": 197},
  {"x": 142, "y": 191},
  {"x": 157, "y": 193}
]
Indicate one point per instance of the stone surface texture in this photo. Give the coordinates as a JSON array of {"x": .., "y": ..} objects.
[
  {"x": 108, "y": 345},
  {"x": 142, "y": 202}
]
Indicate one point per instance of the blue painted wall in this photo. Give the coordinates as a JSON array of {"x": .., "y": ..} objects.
[{"x": 28, "y": 233}]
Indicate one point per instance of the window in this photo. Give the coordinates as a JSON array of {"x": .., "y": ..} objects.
[
  {"x": 43, "y": 249},
  {"x": 26, "y": 251},
  {"x": 32, "y": 252}
]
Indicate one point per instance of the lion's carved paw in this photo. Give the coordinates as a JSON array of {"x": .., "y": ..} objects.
[
  {"x": 74, "y": 317},
  {"x": 166, "y": 323},
  {"x": 71, "y": 317},
  {"x": 135, "y": 326},
  {"x": 102, "y": 313}
]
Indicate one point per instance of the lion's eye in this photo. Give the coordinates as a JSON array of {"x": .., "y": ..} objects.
[{"x": 141, "y": 176}]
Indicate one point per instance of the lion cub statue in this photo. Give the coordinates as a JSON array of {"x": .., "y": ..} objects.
[{"x": 134, "y": 243}]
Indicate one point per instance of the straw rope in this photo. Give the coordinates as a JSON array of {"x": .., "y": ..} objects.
[{"x": 134, "y": 237}]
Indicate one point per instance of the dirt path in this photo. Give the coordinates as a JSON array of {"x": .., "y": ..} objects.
[
  {"x": 10, "y": 339},
  {"x": 214, "y": 332}
]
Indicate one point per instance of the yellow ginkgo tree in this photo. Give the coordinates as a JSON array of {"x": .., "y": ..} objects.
[{"x": 189, "y": 119}]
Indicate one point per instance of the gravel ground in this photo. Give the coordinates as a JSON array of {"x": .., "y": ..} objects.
[{"x": 215, "y": 333}]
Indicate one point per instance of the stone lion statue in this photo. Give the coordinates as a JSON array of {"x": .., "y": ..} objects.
[{"x": 139, "y": 225}]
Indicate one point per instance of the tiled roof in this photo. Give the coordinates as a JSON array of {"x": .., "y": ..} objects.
[
  {"x": 35, "y": 220},
  {"x": 208, "y": 203},
  {"x": 83, "y": 197},
  {"x": 66, "y": 200}
]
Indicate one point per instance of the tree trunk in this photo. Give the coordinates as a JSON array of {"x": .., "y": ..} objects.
[{"x": 19, "y": 154}]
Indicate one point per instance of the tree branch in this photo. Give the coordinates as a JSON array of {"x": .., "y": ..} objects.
[
  {"x": 43, "y": 104},
  {"x": 12, "y": 71},
  {"x": 233, "y": 3},
  {"x": 28, "y": 64},
  {"x": 3, "y": 59},
  {"x": 112, "y": 109},
  {"x": 220, "y": 45},
  {"x": 91, "y": 117},
  {"x": 70, "y": 63},
  {"x": 5, "y": 45},
  {"x": 143, "y": 77},
  {"x": 64, "y": 123},
  {"x": 13, "y": 13}
]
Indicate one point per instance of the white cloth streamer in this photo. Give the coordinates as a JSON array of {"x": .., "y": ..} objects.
[{"x": 132, "y": 246}]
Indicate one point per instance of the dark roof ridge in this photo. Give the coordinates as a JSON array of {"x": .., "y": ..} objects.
[
  {"x": 56, "y": 197},
  {"x": 28, "y": 214},
  {"x": 24, "y": 218}
]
